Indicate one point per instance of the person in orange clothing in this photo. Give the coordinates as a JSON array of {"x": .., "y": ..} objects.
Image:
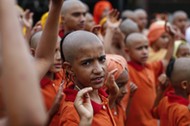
[
  {"x": 117, "y": 86},
  {"x": 101, "y": 10},
  {"x": 144, "y": 75},
  {"x": 85, "y": 65},
  {"x": 158, "y": 40},
  {"x": 50, "y": 83},
  {"x": 173, "y": 109}
]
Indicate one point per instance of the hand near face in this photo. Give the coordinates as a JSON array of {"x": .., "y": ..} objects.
[
  {"x": 111, "y": 84},
  {"x": 83, "y": 105}
]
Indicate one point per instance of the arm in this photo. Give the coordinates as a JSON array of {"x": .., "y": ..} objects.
[
  {"x": 83, "y": 106},
  {"x": 133, "y": 89},
  {"x": 20, "y": 88},
  {"x": 170, "y": 48},
  {"x": 112, "y": 88},
  {"x": 46, "y": 48},
  {"x": 112, "y": 23},
  {"x": 56, "y": 104}
]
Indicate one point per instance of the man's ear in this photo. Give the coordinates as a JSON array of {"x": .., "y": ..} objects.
[
  {"x": 67, "y": 66},
  {"x": 184, "y": 84}
]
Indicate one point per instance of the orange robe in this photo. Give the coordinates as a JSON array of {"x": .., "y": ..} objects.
[
  {"x": 145, "y": 78},
  {"x": 70, "y": 117},
  {"x": 173, "y": 110},
  {"x": 49, "y": 90},
  {"x": 119, "y": 115}
]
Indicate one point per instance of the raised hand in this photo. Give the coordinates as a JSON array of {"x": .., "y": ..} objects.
[
  {"x": 111, "y": 84},
  {"x": 28, "y": 19},
  {"x": 113, "y": 20}
]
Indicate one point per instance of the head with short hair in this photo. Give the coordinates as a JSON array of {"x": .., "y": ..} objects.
[
  {"x": 180, "y": 75},
  {"x": 136, "y": 46},
  {"x": 89, "y": 22},
  {"x": 84, "y": 59},
  {"x": 141, "y": 18},
  {"x": 56, "y": 65},
  {"x": 73, "y": 15},
  {"x": 180, "y": 19},
  {"x": 129, "y": 14},
  {"x": 128, "y": 26}
]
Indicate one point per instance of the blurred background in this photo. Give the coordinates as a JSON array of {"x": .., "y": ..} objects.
[{"x": 151, "y": 6}]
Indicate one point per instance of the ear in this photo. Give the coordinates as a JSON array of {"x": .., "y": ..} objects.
[
  {"x": 126, "y": 50},
  {"x": 184, "y": 84},
  {"x": 67, "y": 66},
  {"x": 32, "y": 51}
]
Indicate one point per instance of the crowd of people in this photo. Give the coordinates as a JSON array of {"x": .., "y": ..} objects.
[{"x": 74, "y": 68}]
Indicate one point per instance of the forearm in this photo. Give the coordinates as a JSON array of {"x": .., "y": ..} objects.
[
  {"x": 108, "y": 40},
  {"x": 19, "y": 81},
  {"x": 46, "y": 48},
  {"x": 169, "y": 53},
  {"x": 158, "y": 97}
]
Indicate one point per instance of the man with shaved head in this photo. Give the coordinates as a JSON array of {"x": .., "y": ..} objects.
[
  {"x": 173, "y": 109},
  {"x": 85, "y": 64},
  {"x": 142, "y": 20},
  {"x": 180, "y": 19},
  {"x": 73, "y": 15}
]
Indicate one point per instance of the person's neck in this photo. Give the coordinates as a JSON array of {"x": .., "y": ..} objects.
[
  {"x": 95, "y": 96},
  {"x": 50, "y": 75}
]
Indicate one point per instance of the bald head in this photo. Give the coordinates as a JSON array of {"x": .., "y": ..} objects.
[
  {"x": 77, "y": 40},
  {"x": 135, "y": 37},
  {"x": 128, "y": 14},
  {"x": 181, "y": 71},
  {"x": 178, "y": 14},
  {"x": 70, "y": 4},
  {"x": 35, "y": 39},
  {"x": 141, "y": 16},
  {"x": 139, "y": 12},
  {"x": 128, "y": 26}
]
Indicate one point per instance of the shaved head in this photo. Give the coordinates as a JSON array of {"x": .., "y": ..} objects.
[
  {"x": 35, "y": 39},
  {"x": 70, "y": 4},
  {"x": 77, "y": 40},
  {"x": 128, "y": 14},
  {"x": 134, "y": 37},
  {"x": 178, "y": 14},
  {"x": 128, "y": 26},
  {"x": 181, "y": 71},
  {"x": 139, "y": 12}
]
